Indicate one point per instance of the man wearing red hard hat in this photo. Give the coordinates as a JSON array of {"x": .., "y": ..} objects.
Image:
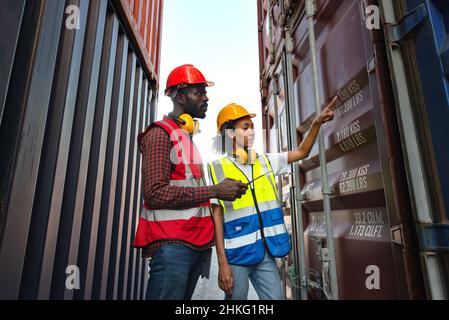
[{"x": 175, "y": 228}]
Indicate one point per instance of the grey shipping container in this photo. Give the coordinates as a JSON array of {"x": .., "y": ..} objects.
[{"x": 74, "y": 96}]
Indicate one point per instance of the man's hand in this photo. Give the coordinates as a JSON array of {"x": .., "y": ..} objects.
[
  {"x": 327, "y": 114},
  {"x": 229, "y": 189},
  {"x": 225, "y": 278}
]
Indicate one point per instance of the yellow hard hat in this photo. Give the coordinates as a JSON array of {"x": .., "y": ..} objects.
[{"x": 230, "y": 113}]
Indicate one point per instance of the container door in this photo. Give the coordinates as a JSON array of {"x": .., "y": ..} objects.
[
  {"x": 431, "y": 44},
  {"x": 370, "y": 265},
  {"x": 417, "y": 38}
]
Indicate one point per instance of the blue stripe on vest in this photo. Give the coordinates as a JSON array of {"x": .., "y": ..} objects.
[
  {"x": 248, "y": 255},
  {"x": 272, "y": 217},
  {"x": 250, "y": 224},
  {"x": 241, "y": 227},
  {"x": 279, "y": 245}
]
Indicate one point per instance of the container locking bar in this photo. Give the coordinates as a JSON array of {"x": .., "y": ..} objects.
[{"x": 396, "y": 33}]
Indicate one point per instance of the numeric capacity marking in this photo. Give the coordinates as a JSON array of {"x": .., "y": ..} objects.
[{"x": 367, "y": 224}]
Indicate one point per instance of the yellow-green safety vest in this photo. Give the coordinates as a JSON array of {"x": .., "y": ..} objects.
[{"x": 254, "y": 222}]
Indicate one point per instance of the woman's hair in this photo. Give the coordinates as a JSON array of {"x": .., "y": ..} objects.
[{"x": 222, "y": 143}]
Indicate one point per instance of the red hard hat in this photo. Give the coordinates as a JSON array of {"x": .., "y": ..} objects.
[{"x": 186, "y": 74}]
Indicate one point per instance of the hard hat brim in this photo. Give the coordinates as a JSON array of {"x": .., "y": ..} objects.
[
  {"x": 206, "y": 84},
  {"x": 251, "y": 115}
]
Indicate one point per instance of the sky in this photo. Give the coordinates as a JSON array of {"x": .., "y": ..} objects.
[{"x": 220, "y": 38}]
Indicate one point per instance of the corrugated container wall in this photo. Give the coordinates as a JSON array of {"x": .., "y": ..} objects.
[
  {"x": 372, "y": 208},
  {"x": 74, "y": 94}
]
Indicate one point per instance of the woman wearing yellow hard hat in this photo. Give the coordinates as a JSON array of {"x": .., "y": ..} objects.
[{"x": 250, "y": 231}]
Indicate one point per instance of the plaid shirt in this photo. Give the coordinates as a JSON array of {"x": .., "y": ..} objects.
[{"x": 155, "y": 146}]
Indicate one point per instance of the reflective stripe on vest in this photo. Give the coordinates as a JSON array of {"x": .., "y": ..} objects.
[
  {"x": 167, "y": 215},
  {"x": 253, "y": 237},
  {"x": 248, "y": 211},
  {"x": 242, "y": 222}
]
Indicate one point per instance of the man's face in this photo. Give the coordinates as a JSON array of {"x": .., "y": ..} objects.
[{"x": 194, "y": 98}]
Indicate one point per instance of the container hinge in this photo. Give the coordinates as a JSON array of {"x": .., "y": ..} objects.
[
  {"x": 397, "y": 235},
  {"x": 396, "y": 33}
]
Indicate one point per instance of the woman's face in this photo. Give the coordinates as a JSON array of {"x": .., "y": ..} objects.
[{"x": 244, "y": 133}]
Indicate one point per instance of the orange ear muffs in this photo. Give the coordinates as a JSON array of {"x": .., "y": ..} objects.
[
  {"x": 191, "y": 126},
  {"x": 244, "y": 157}
]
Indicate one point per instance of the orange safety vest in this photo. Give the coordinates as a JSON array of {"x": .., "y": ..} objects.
[{"x": 194, "y": 225}]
